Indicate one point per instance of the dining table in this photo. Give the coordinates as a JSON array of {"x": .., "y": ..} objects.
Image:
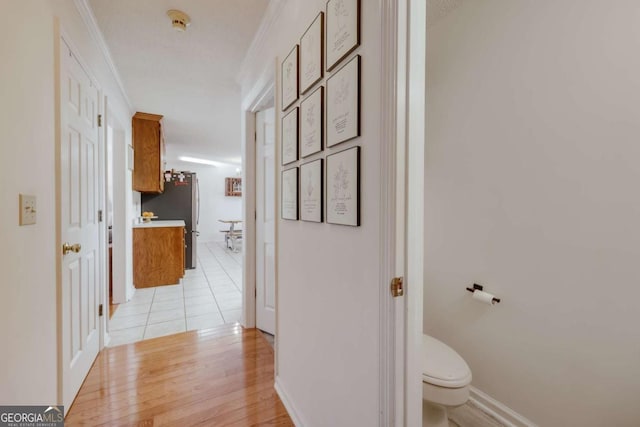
[{"x": 231, "y": 234}]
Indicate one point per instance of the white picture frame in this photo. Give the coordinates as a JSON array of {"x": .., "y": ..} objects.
[
  {"x": 311, "y": 186},
  {"x": 312, "y": 123},
  {"x": 289, "y": 79},
  {"x": 311, "y": 54},
  {"x": 342, "y": 184},
  {"x": 289, "y": 137},
  {"x": 289, "y": 194},
  {"x": 343, "y": 30},
  {"x": 343, "y": 103}
]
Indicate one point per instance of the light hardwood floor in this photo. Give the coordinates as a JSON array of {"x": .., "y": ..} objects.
[{"x": 221, "y": 376}]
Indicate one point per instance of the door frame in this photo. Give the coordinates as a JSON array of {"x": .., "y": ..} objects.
[
  {"x": 415, "y": 118},
  {"x": 122, "y": 285},
  {"x": 262, "y": 94},
  {"x": 60, "y": 37},
  {"x": 266, "y": 105},
  {"x": 403, "y": 30},
  {"x": 391, "y": 256}
]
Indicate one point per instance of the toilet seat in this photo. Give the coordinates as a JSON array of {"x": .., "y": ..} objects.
[{"x": 442, "y": 366}]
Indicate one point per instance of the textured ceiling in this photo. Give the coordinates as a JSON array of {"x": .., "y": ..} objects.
[
  {"x": 187, "y": 77},
  {"x": 438, "y": 9}
]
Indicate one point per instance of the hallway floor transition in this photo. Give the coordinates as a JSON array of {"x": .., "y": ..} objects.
[{"x": 208, "y": 296}]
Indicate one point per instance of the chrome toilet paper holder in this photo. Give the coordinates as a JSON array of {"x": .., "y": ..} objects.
[{"x": 477, "y": 287}]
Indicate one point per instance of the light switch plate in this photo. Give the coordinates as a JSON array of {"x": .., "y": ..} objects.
[{"x": 27, "y": 209}]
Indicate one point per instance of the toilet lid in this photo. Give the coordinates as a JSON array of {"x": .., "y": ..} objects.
[{"x": 442, "y": 366}]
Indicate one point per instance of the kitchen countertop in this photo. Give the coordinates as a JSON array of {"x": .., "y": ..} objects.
[{"x": 155, "y": 224}]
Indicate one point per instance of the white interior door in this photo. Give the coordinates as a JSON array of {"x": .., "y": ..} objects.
[
  {"x": 79, "y": 226},
  {"x": 265, "y": 221}
]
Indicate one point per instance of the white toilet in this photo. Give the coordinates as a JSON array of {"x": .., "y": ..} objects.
[{"x": 445, "y": 381}]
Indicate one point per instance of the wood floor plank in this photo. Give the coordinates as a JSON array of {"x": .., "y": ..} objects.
[{"x": 222, "y": 376}]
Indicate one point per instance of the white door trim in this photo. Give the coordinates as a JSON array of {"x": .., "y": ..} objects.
[
  {"x": 262, "y": 93},
  {"x": 248, "y": 220},
  {"x": 265, "y": 219},
  {"x": 403, "y": 30},
  {"x": 104, "y": 237},
  {"x": 391, "y": 326},
  {"x": 416, "y": 16},
  {"x": 61, "y": 36}
]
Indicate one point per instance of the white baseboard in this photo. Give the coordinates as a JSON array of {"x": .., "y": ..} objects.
[
  {"x": 498, "y": 410},
  {"x": 288, "y": 404},
  {"x": 483, "y": 401}
]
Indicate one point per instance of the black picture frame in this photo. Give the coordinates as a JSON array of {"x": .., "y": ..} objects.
[
  {"x": 338, "y": 32},
  {"x": 334, "y": 119},
  {"x": 313, "y": 34},
  {"x": 340, "y": 206},
  {"x": 289, "y": 80},
  {"x": 289, "y": 149},
  {"x": 289, "y": 177},
  {"x": 305, "y": 123},
  {"x": 312, "y": 200}
]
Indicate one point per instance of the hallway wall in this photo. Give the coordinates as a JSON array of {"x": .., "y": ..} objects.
[
  {"x": 28, "y": 360},
  {"x": 328, "y": 286},
  {"x": 531, "y": 190}
]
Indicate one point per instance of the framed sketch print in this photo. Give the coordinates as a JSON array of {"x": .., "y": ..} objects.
[
  {"x": 289, "y": 195},
  {"x": 311, "y": 191},
  {"x": 343, "y": 103},
  {"x": 343, "y": 30},
  {"x": 290, "y": 137},
  {"x": 311, "y": 123},
  {"x": 290, "y": 79},
  {"x": 343, "y": 187},
  {"x": 311, "y": 64}
]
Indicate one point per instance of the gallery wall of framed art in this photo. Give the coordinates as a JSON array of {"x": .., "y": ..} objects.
[{"x": 320, "y": 119}]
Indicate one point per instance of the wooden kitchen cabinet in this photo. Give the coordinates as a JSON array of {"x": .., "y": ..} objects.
[
  {"x": 158, "y": 256},
  {"x": 148, "y": 153}
]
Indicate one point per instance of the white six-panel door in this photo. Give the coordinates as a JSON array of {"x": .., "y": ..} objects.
[
  {"x": 265, "y": 221},
  {"x": 79, "y": 204}
]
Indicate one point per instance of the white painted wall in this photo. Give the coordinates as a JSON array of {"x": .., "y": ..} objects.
[
  {"x": 28, "y": 361},
  {"x": 531, "y": 190},
  {"x": 328, "y": 284},
  {"x": 214, "y": 205}
]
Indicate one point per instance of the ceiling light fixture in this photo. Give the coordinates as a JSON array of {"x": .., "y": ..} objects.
[
  {"x": 200, "y": 161},
  {"x": 179, "y": 19}
]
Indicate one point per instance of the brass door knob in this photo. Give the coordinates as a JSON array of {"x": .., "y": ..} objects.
[{"x": 67, "y": 247}]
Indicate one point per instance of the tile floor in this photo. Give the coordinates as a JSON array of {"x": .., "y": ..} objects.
[{"x": 208, "y": 296}]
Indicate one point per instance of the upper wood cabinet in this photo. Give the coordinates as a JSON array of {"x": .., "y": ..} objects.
[{"x": 148, "y": 153}]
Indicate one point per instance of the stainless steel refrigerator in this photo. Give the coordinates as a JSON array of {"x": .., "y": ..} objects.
[{"x": 180, "y": 200}]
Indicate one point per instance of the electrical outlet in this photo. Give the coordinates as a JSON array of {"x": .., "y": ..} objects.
[{"x": 27, "y": 209}]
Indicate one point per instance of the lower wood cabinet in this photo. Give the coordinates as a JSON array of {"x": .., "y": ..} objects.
[{"x": 158, "y": 256}]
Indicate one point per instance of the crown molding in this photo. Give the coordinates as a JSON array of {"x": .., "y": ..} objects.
[
  {"x": 271, "y": 16},
  {"x": 92, "y": 25}
]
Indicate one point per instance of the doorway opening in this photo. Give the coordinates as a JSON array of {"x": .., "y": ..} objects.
[
  {"x": 259, "y": 153},
  {"x": 265, "y": 221}
]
